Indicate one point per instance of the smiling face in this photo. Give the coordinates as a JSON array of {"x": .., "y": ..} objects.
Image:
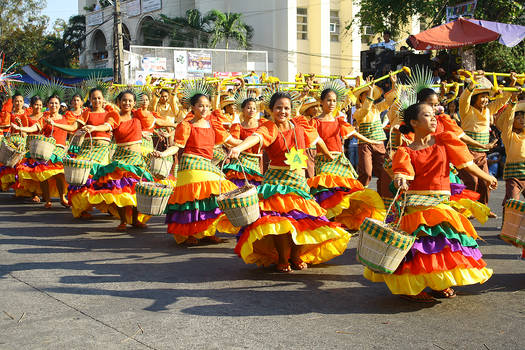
[
  {"x": 37, "y": 106},
  {"x": 126, "y": 103},
  {"x": 53, "y": 105},
  {"x": 97, "y": 99},
  {"x": 201, "y": 109},
  {"x": 18, "y": 103},
  {"x": 282, "y": 110},
  {"x": 250, "y": 110},
  {"x": 480, "y": 101},
  {"x": 519, "y": 120},
  {"x": 426, "y": 120},
  {"x": 329, "y": 104}
]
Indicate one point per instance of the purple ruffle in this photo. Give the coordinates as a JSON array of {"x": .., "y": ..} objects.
[
  {"x": 456, "y": 188},
  {"x": 32, "y": 163},
  {"x": 324, "y": 195},
  {"x": 294, "y": 214},
  {"x": 88, "y": 183},
  {"x": 432, "y": 245},
  {"x": 120, "y": 183},
  {"x": 189, "y": 216}
]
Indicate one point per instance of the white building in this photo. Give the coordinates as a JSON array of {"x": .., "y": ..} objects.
[{"x": 299, "y": 35}]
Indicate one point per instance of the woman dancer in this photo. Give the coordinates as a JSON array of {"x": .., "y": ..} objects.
[
  {"x": 445, "y": 253},
  {"x": 292, "y": 231}
]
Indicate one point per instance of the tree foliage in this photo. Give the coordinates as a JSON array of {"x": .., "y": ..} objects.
[
  {"x": 229, "y": 27},
  {"x": 393, "y": 15}
]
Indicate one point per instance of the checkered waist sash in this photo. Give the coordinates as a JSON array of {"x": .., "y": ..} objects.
[
  {"x": 194, "y": 162},
  {"x": 373, "y": 130},
  {"x": 340, "y": 166},
  {"x": 514, "y": 170},
  {"x": 286, "y": 177},
  {"x": 481, "y": 137}
]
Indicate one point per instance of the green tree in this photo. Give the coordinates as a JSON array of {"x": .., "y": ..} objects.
[
  {"x": 229, "y": 27},
  {"x": 392, "y": 15},
  {"x": 16, "y": 14},
  {"x": 193, "y": 30}
]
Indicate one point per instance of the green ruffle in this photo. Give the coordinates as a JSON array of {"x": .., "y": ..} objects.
[
  {"x": 74, "y": 149},
  {"x": 449, "y": 232},
  {"x": 266, "y": 191},
  {"x": 454, "y": 178},
  {"x": 111, "y": 167},
  {"x": 238, "y": 168},
  {"x": 316, "y": 190},
  {"x": 207, "y": 204}
]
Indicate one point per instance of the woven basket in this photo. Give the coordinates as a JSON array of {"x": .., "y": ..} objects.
[
  {"x": 152, "y": 197},
  {"x": 41, "y": 147},
  {"x": 76, "y": 171},
  {"x": 160, "y": 167},
  {"x": 241, "y": 205},
  {"x": 219, "y": 155},
  {"x": 9, "y": 155},
  {"x": 381, "y": 247},
  {"x": 78, "y": 139},
  {"x": 513, "y": 229}
]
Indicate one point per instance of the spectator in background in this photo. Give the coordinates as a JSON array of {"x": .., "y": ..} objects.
[{"x": 387, "y": 42}]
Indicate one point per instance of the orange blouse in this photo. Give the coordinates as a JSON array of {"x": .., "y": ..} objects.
[
  {"x": 125, "y": 132},
  {"x": 47, "y": 130},
  {"x": 444, "y": 124},
  {"x": 428, "y": 168},
  {"x": 96, "y": 119},
  {"x": 239, "y": 132},
  {"x": 333, "y": 132},
  {"x": 147, "y": 119},
  {"x": 200, "y": 141},
  {"x": 277, "y": 142}
]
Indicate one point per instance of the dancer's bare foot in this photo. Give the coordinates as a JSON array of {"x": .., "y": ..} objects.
[{"x": 35, "y": 199}]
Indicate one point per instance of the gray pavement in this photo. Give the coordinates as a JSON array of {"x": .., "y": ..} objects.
[{"x": 67, "y": 284}]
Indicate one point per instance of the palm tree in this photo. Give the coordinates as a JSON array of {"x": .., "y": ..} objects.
[
  {"x": 230, "y": 27},
  {"x": 190, "y": 31}
]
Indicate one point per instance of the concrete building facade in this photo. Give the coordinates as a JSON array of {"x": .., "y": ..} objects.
[{"x": 299, "y": 35}]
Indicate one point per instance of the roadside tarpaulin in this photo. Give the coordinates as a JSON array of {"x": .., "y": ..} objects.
[
  {"x": 451, "y": 35},
  {"x": 511, "y": 34},
  {"x": 81, "y": 73}
]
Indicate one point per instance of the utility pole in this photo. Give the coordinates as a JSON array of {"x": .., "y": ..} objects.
[{"x": 118, "y": 44}]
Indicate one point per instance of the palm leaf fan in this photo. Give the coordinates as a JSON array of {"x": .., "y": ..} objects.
[
  {"x": 268, "y": 92},
  {"x": 420, "y": 79},
  {"x": 54, "y": 88},
  {"x": 406, "y": 97},
  {"x": 194, "y": 87},
  {"x": 239, "y": 97},
  {"x": 94, "y": 81},
  {"x": 337, "y": 86}
]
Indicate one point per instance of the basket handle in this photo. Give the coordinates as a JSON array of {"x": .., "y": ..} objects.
[
  {"x": 403, "y": 206},
  {"x": 223, "y": 175},
  {"x": 20, "y": 147}
]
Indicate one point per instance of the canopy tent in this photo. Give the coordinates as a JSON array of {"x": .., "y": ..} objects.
[
  {"x": 34, "y": 76},
  {"x": 81, "y": 73},
  {"x": 510, "y": 34},
  {"x": 458, "y": 33}
]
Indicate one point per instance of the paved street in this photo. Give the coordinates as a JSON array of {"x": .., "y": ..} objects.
[{"x": 67, "y": 284}]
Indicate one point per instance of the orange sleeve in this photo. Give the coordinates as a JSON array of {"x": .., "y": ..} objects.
[
  {"x": 113, "y": 119},
  {"x": 5, "y": 119},
  {"x": 457, "y": 151},
  {"x": 450, "y": 125},
  {"x": 109, "y": 108},
  {"x": 401, "y": 164},
  {"x": 7, "y": 106},
  {"x": 310, "y": 131},
  {"x": 267, "y": 133},
  {"x": 345, "y": 128},
  {"x": 235, "y": 130},
  {"x": 147, "y": 122},
  {"x": 84, "y": 117},
  {"x": 182, "y": 133},
  {"x": 217, "y": 123}
]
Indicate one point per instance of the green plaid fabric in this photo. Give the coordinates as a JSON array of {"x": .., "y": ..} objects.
[
  {"x": 515, "y": 204},
  {"x": 419, "y": 200},
  {"x": 248, "y": 161},
  {"x": 77, "y": 163},
  {"x": 129, "y": 157},
  {"x": 340, "y": 166},
  {"x": 514, "y": 170},
  {"x": 395, "y": 139},
  {"x": 99, "y": 154},
  {"x": 387, "y": 234},
  {"x": 219, "y": 154},
  {"x": 481, "y": 137},
  {"x": 60, "y": 152},
  {"x": 153, "y": 190},
  {"x": 230, "y": 203},
  {"x": 373, "y": 130},
  {"x": 286, "y": 177},
  {"x": 193, "y": 162}
]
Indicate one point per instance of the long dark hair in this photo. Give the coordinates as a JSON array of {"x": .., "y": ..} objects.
[
  {"x": 278, "y": 96},
  {"x": 411, "y": 113}
]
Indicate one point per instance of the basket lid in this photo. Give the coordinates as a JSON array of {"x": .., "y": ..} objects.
[{"x": 386, "y": 233}]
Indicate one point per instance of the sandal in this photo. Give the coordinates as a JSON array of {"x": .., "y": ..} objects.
[
  {"x": 447, "y": 293},
  {"x": 122, "y": 227},
  {"x": 139, "y": 225},
  {"x": 283, "y": 268},
  {"x": 48, "y": 205},
  {"x": 191, "y": 241},
  {"x": 422, "y": 297},
  {"x": 214, "y": 239},
  {"x": 36, "y": 199},
  {"x": 298, "y": 264},
  {"x": 86, "y": 216}
]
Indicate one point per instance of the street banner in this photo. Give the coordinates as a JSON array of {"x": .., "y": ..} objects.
[
  {"x": 154, "y": 64},
  {"x": 180, "y": 60},
  {"x": 199, "y": 63},
  {"x": 465, "y": 9}
]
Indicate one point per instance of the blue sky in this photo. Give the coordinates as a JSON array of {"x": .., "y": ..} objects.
[{"x": 60, "y": 9}]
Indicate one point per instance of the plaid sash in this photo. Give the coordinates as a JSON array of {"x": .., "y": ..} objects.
[
  {"x": 373, "y": 130},
  {"x": 193, "y": 162},
  {"x": 129, "y": 157},
  {"x": 286, "y": 177},
  {"x": 99, "y": 154},
  {"x": 248, "y": 161},
  {"x": 481, "y": 137},
  {"x": 514, "y": 170},
  {"x": 340, "y": 166}
]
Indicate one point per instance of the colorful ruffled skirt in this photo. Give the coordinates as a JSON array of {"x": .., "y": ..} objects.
[
  {"x": 445, "y": 253},
  {"x": 31, "y": 173},
  {"x": 192, "y": 208},
  {"x": 114, "y": 185},
  {"x": 250, "y": 163},
  {"x": 337, "y": 190},
  {"x": 287, "y": 207},
  {"x": 98, "y": 152}
]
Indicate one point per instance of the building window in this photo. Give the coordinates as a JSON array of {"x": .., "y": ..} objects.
[
  {"x": 302, "y": 23},
  {"x": 334, "y": 25}
]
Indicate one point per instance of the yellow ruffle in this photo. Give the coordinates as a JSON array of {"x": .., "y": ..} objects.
[
  {"x": 186, "y": 177},
  {"x": 316, "y": 246},
  {"x": 29, "y": 187},
  {"x": 39, "y": 176},
  {"x": 332, "y": 181},
  {"x": 209, "y": 232},
  {"x": 469, "y": 207},
  {"x": 408, "y": 284},
  {"x": 354, "y": 204},
  {"x": 85, "y": 201},
  {"x": 7, "y": 181}
]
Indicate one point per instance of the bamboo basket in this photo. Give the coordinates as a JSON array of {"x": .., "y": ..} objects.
[
  {"x": 160, "y": 167},
  {"x": 241, "y": 205},
  {"x": 513, "y": 229},
  {"x": 11, "y": 154},
  {"x": 381, "y": 246},
  {"x": 41, "y": 147},
  {"x": 76, "y": 171},
  {"x": 152, "y": 197}
]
